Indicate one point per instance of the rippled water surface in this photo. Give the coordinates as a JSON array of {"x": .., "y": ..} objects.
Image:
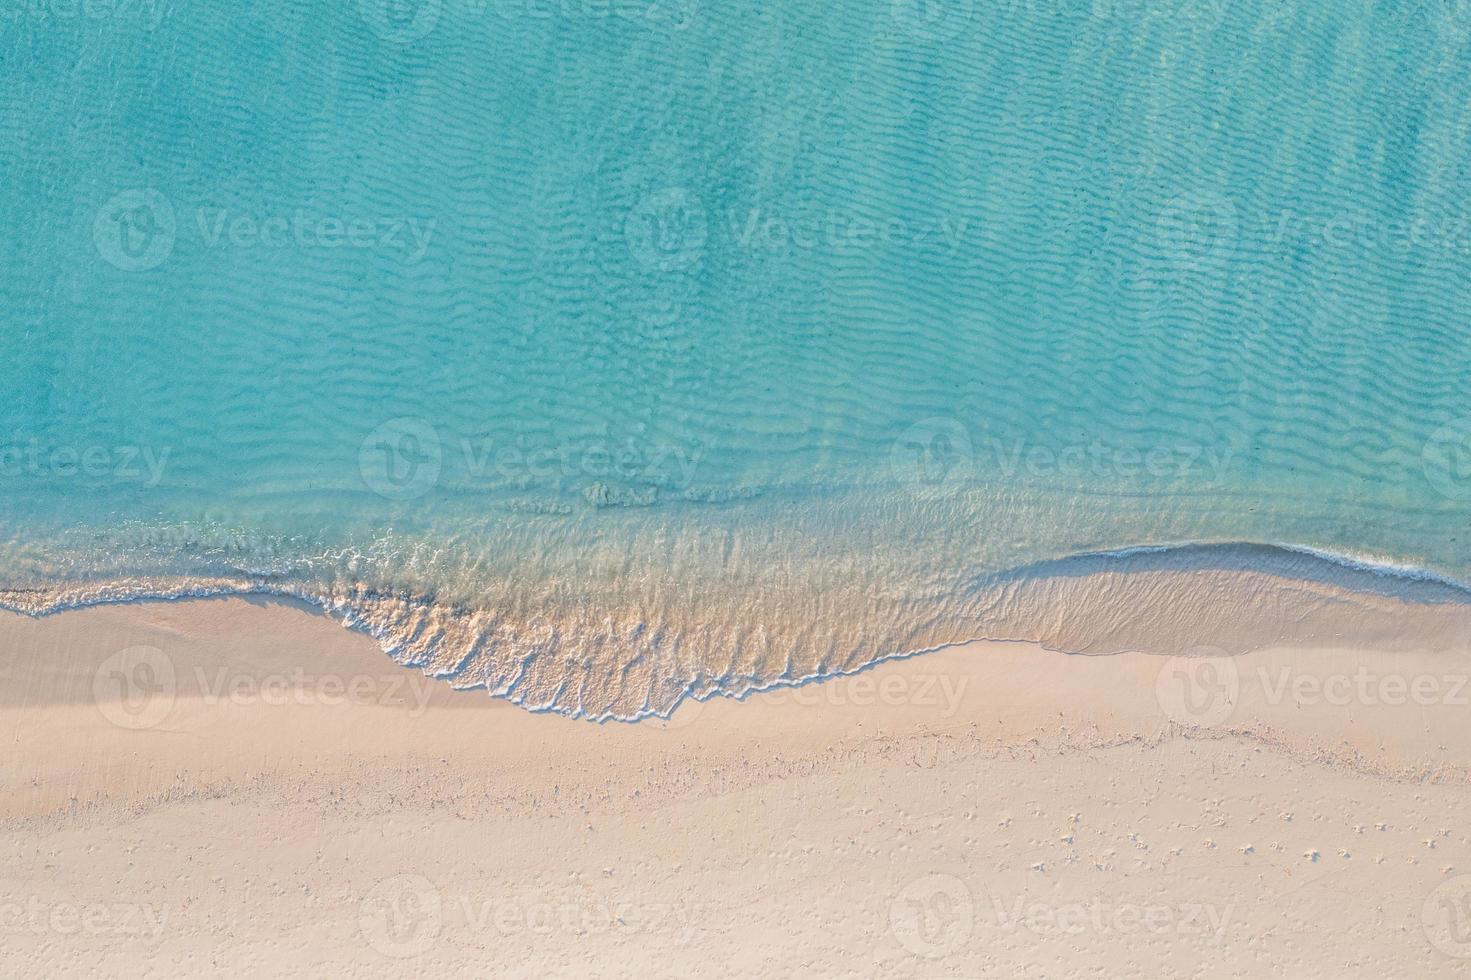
[{"x": 596, "y": 353}]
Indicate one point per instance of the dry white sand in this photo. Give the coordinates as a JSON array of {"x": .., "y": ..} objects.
[{"x": 239, "y": 788}]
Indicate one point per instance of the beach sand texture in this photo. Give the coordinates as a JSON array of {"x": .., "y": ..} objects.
[{"x": 280, "y": 799}]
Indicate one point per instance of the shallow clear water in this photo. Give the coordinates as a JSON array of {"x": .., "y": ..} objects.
[{"x": 600, "y": 352}]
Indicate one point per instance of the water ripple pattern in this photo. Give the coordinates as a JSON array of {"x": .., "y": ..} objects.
[{"x": 600, "y": 354}]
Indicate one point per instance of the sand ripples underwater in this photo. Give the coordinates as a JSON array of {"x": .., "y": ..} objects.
[{"x": 597, "y": 354}]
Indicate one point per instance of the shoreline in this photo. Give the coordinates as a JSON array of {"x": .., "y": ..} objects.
[{"x": 1184, "y": 596}]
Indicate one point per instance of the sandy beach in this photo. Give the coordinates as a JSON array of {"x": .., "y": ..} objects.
[
  {"x": 245, "y": 787},
  {"x": 905, "y": 489}
]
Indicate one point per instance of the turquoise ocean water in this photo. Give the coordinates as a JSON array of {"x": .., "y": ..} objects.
[{"x": 598, "y": 351}]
